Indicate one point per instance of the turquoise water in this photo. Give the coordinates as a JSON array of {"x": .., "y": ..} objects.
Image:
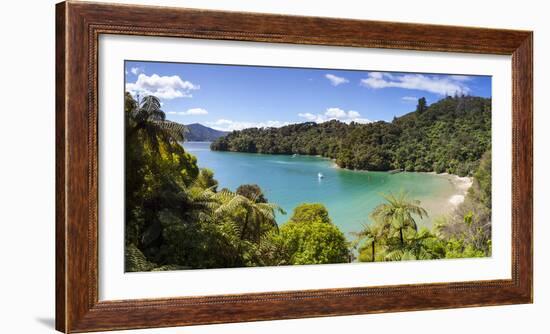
[{"x": 348, "y": 195}]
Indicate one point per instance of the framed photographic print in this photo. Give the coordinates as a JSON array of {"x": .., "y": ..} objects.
[{"x": 222, "y": 166}]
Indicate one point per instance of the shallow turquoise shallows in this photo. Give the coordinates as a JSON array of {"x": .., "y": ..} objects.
[{"x": 348, "y": 195}]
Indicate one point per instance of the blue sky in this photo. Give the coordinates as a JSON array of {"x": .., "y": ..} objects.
[{"x": 227, "y": 97}]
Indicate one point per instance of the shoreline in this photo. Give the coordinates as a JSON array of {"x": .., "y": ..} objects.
[
  {"x": 446, "y": 203},
  {"x": 461, "y": 183}
]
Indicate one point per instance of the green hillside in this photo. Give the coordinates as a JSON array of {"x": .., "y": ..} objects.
[{"x": 450, "y": 135}]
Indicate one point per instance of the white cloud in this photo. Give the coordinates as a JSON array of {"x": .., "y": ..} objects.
[
  {"x": 336, "y": 80},
  {"x": 335, "y": 114},
  {"x": 353, "y": 114},
  {"x": 330, "y": 114},
  {"x": 229, "y": 125},
  {"x": 461, "y": 77},
  {"x": 137, "y": 70},
  {"x": 378, "y": 75},
  {"x": 192, "y": 112},
  {"x": 197, "y": 111},
  {"x": 409, "y": 98},
  {"x": 442, "y": 85},
  {"x": 165, "y": 87},
  {"x": 360, "y": 120},
  {"x": 308, "y": 116}
]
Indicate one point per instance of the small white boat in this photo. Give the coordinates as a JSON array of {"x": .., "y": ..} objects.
[
  {"x": 320, "y": 175},
  {"x": 294, "y": 155}
]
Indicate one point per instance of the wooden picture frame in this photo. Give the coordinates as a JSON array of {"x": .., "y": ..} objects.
[{"x": 78, "y": 26}]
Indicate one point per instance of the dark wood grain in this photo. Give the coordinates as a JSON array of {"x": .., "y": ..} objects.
[
  {"x": 78, "y": 27},
  {"x": 60, "y": 135}
]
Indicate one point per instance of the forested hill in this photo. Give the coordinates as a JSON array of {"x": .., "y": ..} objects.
[
  {"x": 199, "y": 132},
  {"x": 450, "y": 136}
]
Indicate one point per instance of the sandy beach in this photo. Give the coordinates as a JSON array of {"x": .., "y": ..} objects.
[
  {"x": 446, "y": 202},
  {"x": 461, "y": 184}
]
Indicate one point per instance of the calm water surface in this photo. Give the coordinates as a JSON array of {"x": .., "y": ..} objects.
[{"x": 348, "y": 195}]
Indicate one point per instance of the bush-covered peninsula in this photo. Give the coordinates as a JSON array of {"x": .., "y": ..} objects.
[{"x": 450, "y": 136}]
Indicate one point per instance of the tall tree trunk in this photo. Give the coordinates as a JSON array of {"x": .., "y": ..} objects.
[
  {"x": 401, "y": 236},
  {"x": 244, "y": 225},
  {"x": 373, "y": 252}
]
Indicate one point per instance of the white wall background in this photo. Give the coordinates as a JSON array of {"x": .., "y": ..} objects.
[{"x": 27, "y": 73}]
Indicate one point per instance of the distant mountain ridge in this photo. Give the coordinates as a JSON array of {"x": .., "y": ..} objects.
[{"x": 199, "y": 132}]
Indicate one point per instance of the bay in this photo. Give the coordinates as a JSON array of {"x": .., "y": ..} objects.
[{"x": 348, "y": 195}]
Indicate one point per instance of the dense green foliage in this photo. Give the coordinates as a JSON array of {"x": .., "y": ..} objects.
[
  {"x": 252, "y": 191},
  {"x": 177, "y": 218},
  {"x": 312, "y": 212},
  {"x": 158, "y": 170},
  {"x": 309, "y": 237},
  {"x": 470, "y": 223},
  {"x": 450, "y": 136},
  {"x": 397, "y": 215},
  {"x": 393, "y": 234}
]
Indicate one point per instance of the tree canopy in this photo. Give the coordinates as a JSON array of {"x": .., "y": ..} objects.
[
  {"x": 310, "y": 212},
  {"x": 450, "y": 136},
  {"x": 309, "y": 237}
]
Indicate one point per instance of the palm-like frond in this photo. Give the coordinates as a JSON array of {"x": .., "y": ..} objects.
[
  {"x": 231, "y": 231},
  {"x": 368, "y": 234},
  {"x": 270, "y": 208},
  {"x": 256, "y": 213},
  {"x": 230, "y": 202},
  {"x": 400, "y": 255},
  {"x": 148, "y": 109},
  {"x": 149, "y": 117},
  {"x": 397, "y": 214},
  {"x": 173, "y": 130},
  {"x": 202, "y": 199}
]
